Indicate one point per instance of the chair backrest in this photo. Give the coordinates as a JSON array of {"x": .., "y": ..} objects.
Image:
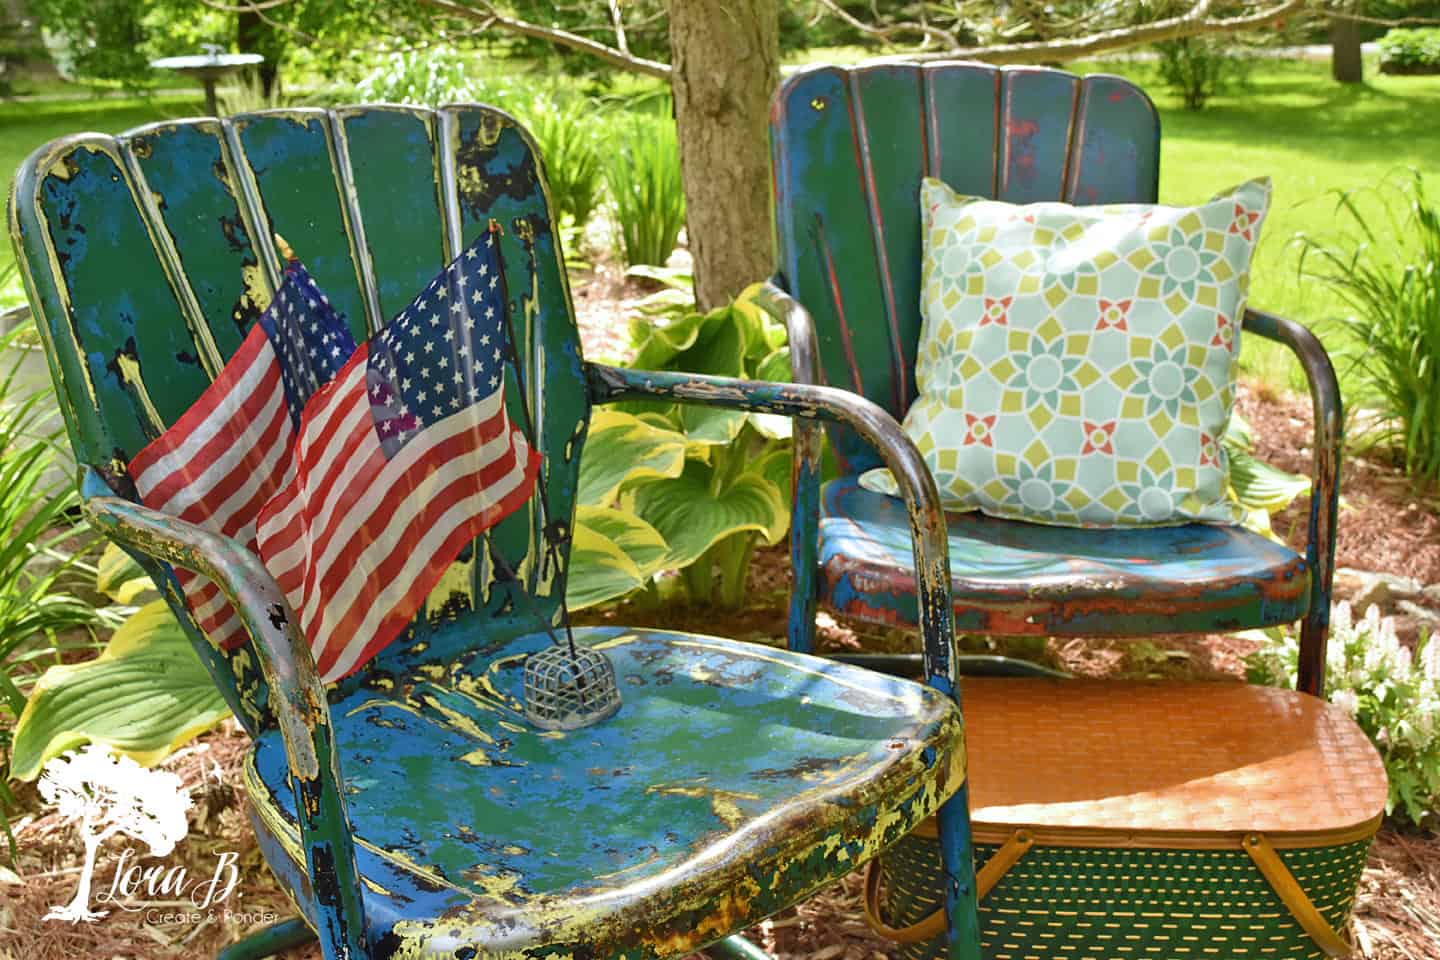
[
  {"x": 849, "y": 147},
  {"x": 148, "y": 256}
]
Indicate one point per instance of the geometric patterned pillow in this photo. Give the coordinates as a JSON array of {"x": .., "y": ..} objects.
[{"x": 1077, "y": 365}]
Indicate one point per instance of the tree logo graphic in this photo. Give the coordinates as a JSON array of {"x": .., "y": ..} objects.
[{"x": 108, "y": 794}]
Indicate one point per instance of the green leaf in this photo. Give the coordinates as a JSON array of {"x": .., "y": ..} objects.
[
  {"x": 600, "y": 570},
  {"x": 691, "y": 518},
  {"x": 1259, "y": 486},
  {"x": 1238, "y": 437},
  {"x": 640, "y": 541},
  {"x": 122, "y": 579},
  {"x": 145, "y": 695},
  {"x": 622, "y": 447},
  {"x": 658, "y": 342}
]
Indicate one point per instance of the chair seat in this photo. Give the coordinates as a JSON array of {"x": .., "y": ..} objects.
[
  {"x": 1015, "y": 578},
  {"x": 735, "y": 780}
]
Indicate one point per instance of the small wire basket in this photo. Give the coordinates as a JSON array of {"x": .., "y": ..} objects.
[{"x": 569, "y": 687}]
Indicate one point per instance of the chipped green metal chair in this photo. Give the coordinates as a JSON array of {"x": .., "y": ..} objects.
[
  {"x": 409, "y": 809},
  {"x": 849, "y": 148}
]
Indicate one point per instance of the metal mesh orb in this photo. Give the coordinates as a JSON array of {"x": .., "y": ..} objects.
[{"x": 565, "y": 692}]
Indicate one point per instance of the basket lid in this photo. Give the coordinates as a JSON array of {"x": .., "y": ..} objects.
[{"x": 1168, "y": 757}]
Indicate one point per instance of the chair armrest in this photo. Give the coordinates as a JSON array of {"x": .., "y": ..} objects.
[
  {"x": 297, "y": 698},
  {"x": 808, "y": 402},
  {"x": 1324, "y": 480}
]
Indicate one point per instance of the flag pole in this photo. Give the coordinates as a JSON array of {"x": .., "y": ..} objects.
[{"x": 513, "y": 358}]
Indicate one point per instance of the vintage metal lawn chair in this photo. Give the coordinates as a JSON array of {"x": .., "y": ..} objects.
[
  {"x": 849, "y": 148},
  {"x": 410, "y": 809}
]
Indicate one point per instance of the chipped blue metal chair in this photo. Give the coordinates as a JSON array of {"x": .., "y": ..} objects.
[
  {"x": 849, "y": 148},
  {"x": 409, "y": 809}
]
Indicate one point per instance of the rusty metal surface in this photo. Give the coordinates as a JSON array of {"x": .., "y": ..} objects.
[
  {"x": 849, "y": 147},
  {"x": 147, "y": 257},
  {"x": 734, "y": 780}
]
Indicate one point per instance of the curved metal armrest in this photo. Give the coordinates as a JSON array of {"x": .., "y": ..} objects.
[
  {"x": 297, "y": 697},
  {"x": 878, "y": 428},
  {"x": 1324, "y": 479}
]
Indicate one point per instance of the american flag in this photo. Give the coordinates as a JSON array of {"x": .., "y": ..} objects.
[
  {"x": 399, "y": 461},
  {"x": 227, "y": 455}
]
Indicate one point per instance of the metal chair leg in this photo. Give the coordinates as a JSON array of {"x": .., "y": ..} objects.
[
  {"x": 268, "y": 941},
  {"x": 956, "y": 855}
]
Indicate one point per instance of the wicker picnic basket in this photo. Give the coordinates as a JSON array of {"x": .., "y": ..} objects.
[{"x": 1165, "y": 820}]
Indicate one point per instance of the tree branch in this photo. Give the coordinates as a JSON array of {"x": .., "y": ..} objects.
[
  {"x": 1194, "y": 22},
  {"x": 485, "y": 12},
  {"x": 926, "y": 30}
]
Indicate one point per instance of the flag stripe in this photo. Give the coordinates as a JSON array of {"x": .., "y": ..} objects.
[
  {"x": 421, "y": 501},
  {"x": 379, "y": 619},
  {"x": 197, "y": 425}
]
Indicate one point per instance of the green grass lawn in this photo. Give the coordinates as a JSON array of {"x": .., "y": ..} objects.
[
  {"x": 1290, "y": 122},
  {"x": 25, "y": 126}
]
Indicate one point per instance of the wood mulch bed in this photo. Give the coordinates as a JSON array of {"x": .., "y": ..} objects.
[{"x": 1383, "y": 527}]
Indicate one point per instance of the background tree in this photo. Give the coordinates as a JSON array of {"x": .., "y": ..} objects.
[
  {"x": 109, "y": 794},
  {"x": 721, "y": 59}
]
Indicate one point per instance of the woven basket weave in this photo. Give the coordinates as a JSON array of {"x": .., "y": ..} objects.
[
  {"x": 1111, "y": 903},
  {"x": 1149, "y": 820}
]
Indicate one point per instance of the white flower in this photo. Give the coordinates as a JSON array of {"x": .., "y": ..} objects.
[
  {"x": 1341, "y": 620},
  {"x": 1346, "y": 700}
]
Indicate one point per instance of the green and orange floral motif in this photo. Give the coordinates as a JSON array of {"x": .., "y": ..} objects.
[
  {"x": 979, "y": 430},
  {"x": 1209, "y": 451},
  {"x": 997, "y": 310},
  {"x": 1244, "y": 223},
  {"x": 1112, "y": 314},
  {"x": 1099, "y": 437},
  {"x": 1224, "y": 333}
]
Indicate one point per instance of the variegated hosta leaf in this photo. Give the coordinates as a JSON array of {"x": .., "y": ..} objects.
[
  {"x": 691, "y": 518},
  {"x": 1259, "y": 486},
  {"x": 658, "y": 342},
  {"x": 623, "y": 447},
  {"x": 776, "y": 467},
  {"x": 144, "y": 696},
  {"x": 599, "y": 569},
  {"x": 640, "y": 541},
  {"x": 121, "y": 579}
]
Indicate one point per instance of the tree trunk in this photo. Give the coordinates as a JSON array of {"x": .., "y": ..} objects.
[
  {"x": 726, "y": 60},
  {"x": 1345, "y": 63}
]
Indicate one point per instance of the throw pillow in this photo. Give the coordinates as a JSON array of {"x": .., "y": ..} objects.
[{"x": 1076, "y": 364}]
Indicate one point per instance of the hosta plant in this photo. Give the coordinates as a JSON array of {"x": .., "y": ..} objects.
[
  {"x": 691, "y": 489},
  {"x": 145, "y": 695},
  {"x": 1392, "y": 692}
]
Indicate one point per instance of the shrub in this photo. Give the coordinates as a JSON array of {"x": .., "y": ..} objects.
[
  {"x": 1390, "y": 279},
  {"x": 1393, "y": 695},
  {"x": 1198, "y": 68},
  {"x": 565, "y": 130},
  {"x": 1410, "y": 51},
  {"x": 424, "y": 78},
  {"x": 643, "y": 176}
]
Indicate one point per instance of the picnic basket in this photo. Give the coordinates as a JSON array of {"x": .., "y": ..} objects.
[{"x": 1148, "y": 819}]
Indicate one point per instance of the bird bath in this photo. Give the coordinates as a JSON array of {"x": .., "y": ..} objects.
[{"x": 208, "y": 68}]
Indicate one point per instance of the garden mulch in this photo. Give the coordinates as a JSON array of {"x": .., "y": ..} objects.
[{"x": 1384, "y": 526}]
